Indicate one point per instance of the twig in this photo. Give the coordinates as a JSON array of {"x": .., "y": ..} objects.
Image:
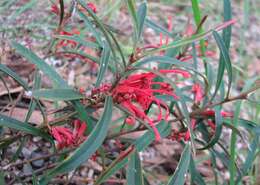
[{"x": 37, "y": 158}]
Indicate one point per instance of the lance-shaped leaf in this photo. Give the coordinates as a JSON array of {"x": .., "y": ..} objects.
[
  {"x": 140, "y": 144},
  {"x": 132, "y": 9},
  {"x": 103, "y": 64},
  {"x": 22, "y": 126},
  {"x": 226, "y": 34},
  {"x": 54, "y": 77},
  {"x": 157, "y": 28},
  {"x": 78, "y": 39},
  {"x": 141, "y": 15},
  {"x": 43, "y": 66},
  {"x": 224, "y": 62},
  {"x": 134, "y": 171},
  {"x": 178, "y": 177},
  {"x": 86, "y": 149},
  {"x": 196, "y": 178},
  {"x": 249, "y": 159},
  {"x": 57, "y": 94},
  {"x": 218, "y": 130},
  {"x": 12, "y": 74}
]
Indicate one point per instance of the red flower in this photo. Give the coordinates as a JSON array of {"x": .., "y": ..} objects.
[
  {"x": 137, "y": 93},
  {"x": 67, "y": 138},
  {"x": 78, "y": 132},
  {"x": 63, "y": 136}
]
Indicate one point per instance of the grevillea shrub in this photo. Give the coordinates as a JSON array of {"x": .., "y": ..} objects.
[{"x": 176, "y": 87}]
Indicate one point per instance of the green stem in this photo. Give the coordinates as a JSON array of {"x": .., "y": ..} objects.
[
  {"x": 197, "y": 18},
  {"x": 233, "y": 151}
]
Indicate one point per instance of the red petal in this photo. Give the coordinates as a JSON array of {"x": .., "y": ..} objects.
[{"x": 82, "y": 128}]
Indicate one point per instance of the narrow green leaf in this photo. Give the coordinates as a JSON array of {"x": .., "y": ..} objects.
[
  {"x": 179, "y": 175},
  {"x": 218, "y": 130},
  {"x": 179, "y": 43},
  {"x": 227, "y": 16},
  {"x": 83, "y": 114},
  {"x": 249, "y": 159},
  {"x": 225, "y": 63},
  {"x": 12, "y": 74},
  {"x": 162, "y": 59},
  {"x": 233, "y": 149},
  {"x": 134, "y": 173},
  {"x": 118, "y": 47},
  {"x": 86, "y": 149},
  {"x": 6, "y": 121},
  {"x": 79, "y": 40},
  {"x": 196, "y": 11},
  {"x": 91, "y": 28},
  {"x": 157, "y": 28},
  {"x": 112, "y": 169},
  {"x": 226, "y": 35},
  {"x": 132, "y": 9},
  {"x": 196, "y": 178},
  {"x": 2, "y": 177},
  {"x": 31, "y": 108},
  {"x": 146, "y": 139},
  {"x": 103, "y": 64},
  {"x": 141, "y": 15},
  {"x": 54, "y": 77},
  {"x": 44, "y": 67},
  {"x": 33, "y": 103},
  {"x": 107, "y": 33},
  {"x": 140, "y": 144},
  {"x": 247, "y": 124},
  {"x": 198, "y": 21},
  {"x": 57, "y": 94}
]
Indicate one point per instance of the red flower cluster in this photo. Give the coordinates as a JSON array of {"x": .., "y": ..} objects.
[
  {"x": 65, "y": 137},
  {"x": 137, "y": 93}
]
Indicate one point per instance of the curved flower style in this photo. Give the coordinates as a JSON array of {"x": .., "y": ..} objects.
[
  {"x": 67, "y": 138},
  {"x": 198, "y": 92},
  {"x": 137, "y": 93}
]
